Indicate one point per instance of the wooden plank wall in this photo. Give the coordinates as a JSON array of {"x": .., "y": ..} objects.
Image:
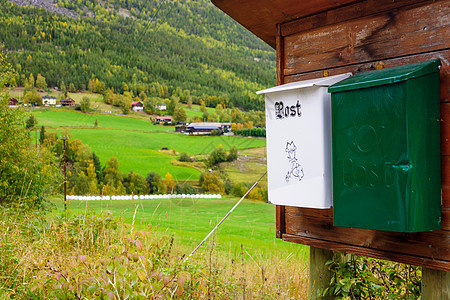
[{"x": 356, "y": 38}]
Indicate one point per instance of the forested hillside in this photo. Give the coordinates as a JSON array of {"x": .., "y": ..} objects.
[{"x": 186, "y": 45}]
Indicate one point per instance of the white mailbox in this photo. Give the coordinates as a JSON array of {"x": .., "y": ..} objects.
[{"x": 298, "y": 130}]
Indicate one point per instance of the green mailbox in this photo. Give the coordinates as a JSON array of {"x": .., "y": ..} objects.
[{"x": 386, "y": 149}]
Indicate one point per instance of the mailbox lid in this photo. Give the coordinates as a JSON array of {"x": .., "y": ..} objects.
[
  {"x": 323, "y": 81},
  {"x": 386, "y": 76}
]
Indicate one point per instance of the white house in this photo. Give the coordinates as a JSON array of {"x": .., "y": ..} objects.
[
  {"x": 50, "y": 100},
  {"x": 161, "y": 107},
  {"x": 137, "y": 106}
]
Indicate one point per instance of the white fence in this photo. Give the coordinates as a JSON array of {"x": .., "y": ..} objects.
[{"x": 142, "y": 197}]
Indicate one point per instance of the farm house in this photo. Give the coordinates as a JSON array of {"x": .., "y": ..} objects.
[
  {"x": 163, "y": 119},
  {"x": 137, "y": 106},
  {"x": 207, "y": 127},
  {"x": 13, "y": 102},
  {"x": 68, "y": 102},
  {"x": 50, "y": 100}
]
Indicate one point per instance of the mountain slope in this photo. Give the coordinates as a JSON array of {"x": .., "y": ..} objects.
[{"x": 189, "y": 45}]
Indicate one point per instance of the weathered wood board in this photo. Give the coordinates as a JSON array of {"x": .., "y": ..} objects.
[
  {"x": 355, "y": 38},
  {"x": 386, "y": 35},
  {"x": 261, "y": 16}
]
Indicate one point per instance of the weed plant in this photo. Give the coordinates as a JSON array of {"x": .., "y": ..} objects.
[{"x": 97, "y": 256}]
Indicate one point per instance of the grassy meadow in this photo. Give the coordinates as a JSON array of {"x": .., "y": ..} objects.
[
  {"x": 195, "y": 110},
  {"x": 137, "y": 143},
  {"x": 252, "y": 224},
  {"x": 102, "y": 250},
  {"x": 243, "y": 248},
  {"x": 67, "y": 118}
]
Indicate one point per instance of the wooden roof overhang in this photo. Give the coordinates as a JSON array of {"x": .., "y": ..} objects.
[{"x": 262, "y": 16}]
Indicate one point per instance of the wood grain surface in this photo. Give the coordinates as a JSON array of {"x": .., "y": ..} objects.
[
  {"x": 396, "y": 33},
  {"x": 360, "y": 37}
]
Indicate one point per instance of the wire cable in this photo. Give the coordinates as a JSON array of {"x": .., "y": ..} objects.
[
  {"x": 150, "y": 22},
  {"x": 226, "y": 216}
]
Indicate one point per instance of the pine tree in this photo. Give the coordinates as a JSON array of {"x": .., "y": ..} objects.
[
  {"x": 42, "y": 135},
  {"x": 31, "y": 122},
  {"x": 98, "y": 167}
]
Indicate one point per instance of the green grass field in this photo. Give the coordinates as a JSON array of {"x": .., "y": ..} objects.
[
  {"x": 252, "y": 224},
  {"x": 195, "y": 110},
  {"x": 60, "y": 118},
  {"x": 140, "y": 151},
  {"x": 137, "y": 143},
  {"x": 96, "y": 101}
]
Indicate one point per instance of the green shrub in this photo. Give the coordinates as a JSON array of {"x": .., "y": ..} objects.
[
  {"x": 369, "y": 278},
  {"x": 238, "y": 190},
  {"x": 217, "y": 156},
  {"x": 85, "y": 105},
  {"x": 135, "y": 184},
  {"x": 185, "y": 188},
  {"x": 216, "y": 132},
  {"x": 184, "y": 157},
  {"x": 258, "y": 194},
  {"x": 255, "y": 131},
  {"x": 233, "y": 155}
]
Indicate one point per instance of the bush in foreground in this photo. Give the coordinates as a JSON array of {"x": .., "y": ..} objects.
[
  {"x": 27, "y": 174},
  {"x": 367, "y": 278},
  {"x": 90, "y": 256}
]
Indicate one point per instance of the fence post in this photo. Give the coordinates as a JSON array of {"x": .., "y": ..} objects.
[
  {"x": 435, "y": 284},
  {"x": 319, "y": 275}
]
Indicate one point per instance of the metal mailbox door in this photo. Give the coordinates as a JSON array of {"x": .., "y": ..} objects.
[{"x": 386, "y": 149}]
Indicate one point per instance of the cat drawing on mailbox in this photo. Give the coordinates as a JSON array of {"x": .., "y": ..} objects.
[{"x": 296, "y": 170}]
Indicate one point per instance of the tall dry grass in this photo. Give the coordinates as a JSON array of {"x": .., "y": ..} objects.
[{"x": 89, "y": 256}]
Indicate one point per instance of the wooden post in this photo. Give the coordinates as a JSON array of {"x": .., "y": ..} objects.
[
  {"x": 435, "y": 284},
  {"x": 64, "y": 138},
  {"x": 280, "y": 56},
  {"x": 319, "y": 275}
]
